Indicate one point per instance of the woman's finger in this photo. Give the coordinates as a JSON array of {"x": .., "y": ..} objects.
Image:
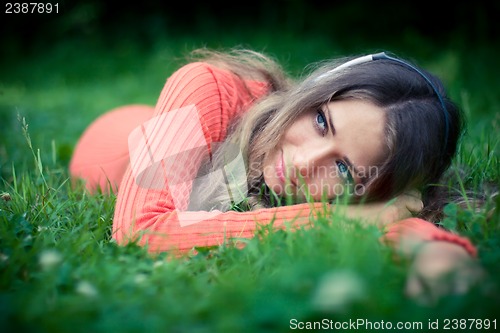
[{"x": 411, "y": 201}]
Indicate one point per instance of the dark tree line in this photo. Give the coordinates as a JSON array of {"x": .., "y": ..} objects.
[{"x": 473, "y": 21}]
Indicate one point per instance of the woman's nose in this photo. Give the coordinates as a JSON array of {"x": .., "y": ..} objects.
[{"x": 306, "y": 160}]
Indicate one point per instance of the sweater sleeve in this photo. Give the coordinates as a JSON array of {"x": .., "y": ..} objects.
[
  {"x": 403, "y": 234},
  {"x": 150, "y": 205}
]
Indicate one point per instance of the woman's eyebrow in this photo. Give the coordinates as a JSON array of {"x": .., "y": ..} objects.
[
  {"x": 329, "y": 120},
  {"x": 345, "y": 158}
]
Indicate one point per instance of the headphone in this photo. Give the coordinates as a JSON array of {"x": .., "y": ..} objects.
[{"x": 384, "y": 56}]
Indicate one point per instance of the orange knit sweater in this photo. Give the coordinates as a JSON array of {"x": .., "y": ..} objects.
[{"x": 149, "y": 210}]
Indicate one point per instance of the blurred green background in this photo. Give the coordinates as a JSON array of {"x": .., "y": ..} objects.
[{"x": 61, "y": 70}]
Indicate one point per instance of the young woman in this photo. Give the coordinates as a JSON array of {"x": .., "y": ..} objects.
[{"x": 233, "y": 143}]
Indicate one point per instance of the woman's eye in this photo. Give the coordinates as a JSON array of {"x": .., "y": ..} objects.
[
  {"x": 321, "y": 122},
  {"x": 344, "y": 171}
]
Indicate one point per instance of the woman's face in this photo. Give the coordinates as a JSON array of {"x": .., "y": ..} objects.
[{"x": 328, "y": 152}]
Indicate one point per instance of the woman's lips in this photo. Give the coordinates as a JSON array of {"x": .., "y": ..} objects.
[{"x": 280, "y": 169}]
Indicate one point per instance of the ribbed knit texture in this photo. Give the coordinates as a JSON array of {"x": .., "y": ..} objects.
[
  {"x": 412, "y": 229},
  {"x": 150, "y": 215}
]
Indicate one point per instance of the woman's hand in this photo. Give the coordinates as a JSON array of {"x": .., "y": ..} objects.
[
  {"x": 440, "y": 268},
  {"x": 404, "y": 206}
]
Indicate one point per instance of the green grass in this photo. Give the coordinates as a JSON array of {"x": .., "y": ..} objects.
[{"x": 60, "y": 271}]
